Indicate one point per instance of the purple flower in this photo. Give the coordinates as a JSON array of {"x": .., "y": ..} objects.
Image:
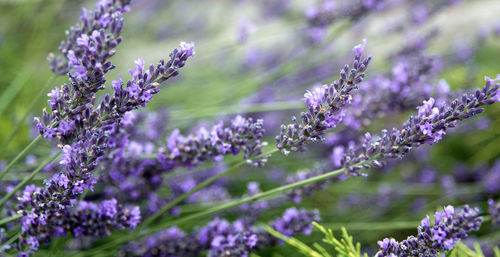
[
  {"x": 426, "y": 128},
  {"x": 139, "y": 68},
  {"x": 117, "y": 84},
  {"x": 432, "y": 123},
  {"x": 450, "y": 227},
  {"x": 325, "y": 108},
  {"x": 67, "y": 155},
  {"x": 108, "y": 208},
  {"x": 133, "y": 90},
  {"x": 83, "y": 41},
  {"x": 296, "y": 221},
  {"x": 187, "y": 48}
]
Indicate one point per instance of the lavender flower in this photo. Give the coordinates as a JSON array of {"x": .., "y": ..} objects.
[
  {"x": 97, "y": 34},
  {"x": 296, "y": 222},
  {"x": 450, "y": 227},
  {"x": 242, "y": 136},
  {"x": 427, "y": 127},
  {"x": 494, "y": 211},
  {"x": 83, "y": 128},
  {"x": 324, "y": 107},
  {"x": 237, "y": 245},
  {"x": 87, "y": 219}
]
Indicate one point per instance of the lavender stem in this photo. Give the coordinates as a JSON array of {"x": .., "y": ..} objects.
[{"x": 19, "y": 156}]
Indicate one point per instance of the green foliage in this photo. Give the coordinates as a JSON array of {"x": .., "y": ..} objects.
[{"x": 343, "y": 247}]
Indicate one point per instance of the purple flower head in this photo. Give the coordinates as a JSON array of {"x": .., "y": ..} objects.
[
  {"x": 139, "y": 68},
  {"x": 26, "y": 195},
  {"x": 296, "y": 221},
  {"x": 450, "y": 227},
  {"x": 67, "y": 155},
  {"x": 108, "y": 208},
  {"x": 135, "y": 217},
  {"x": 83, "y": 41},
  {"x": 117, "y": 84},
  {"x": 427, "y": 127},
  {"x": 315, "y": 98},
  {"x": 360, "y": 49},
  {"x": 187, "y": 49},
  {"x": 325, "y": 108}
]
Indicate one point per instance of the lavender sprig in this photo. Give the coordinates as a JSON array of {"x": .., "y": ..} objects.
[
  {"x": 450, "y": 227},
  {"x": 243, "y": 135},
  {"x": 325, "y": 107},
  {"x": 86, "y": 37},
  {"x": 88, "y": 219},
  {"x": 296, "y": 222},
  {"x": 93, "y": 126},
  {"x": 427, "y": 127}
]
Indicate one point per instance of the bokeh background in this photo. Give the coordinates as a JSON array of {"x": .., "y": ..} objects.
[{"x": 257, "y": 57}]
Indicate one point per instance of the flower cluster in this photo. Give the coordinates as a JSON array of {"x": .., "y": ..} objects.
[
  {"x": 83, "y": 128},
  {"x": 450, "y": 227},
  {"x": 296, "y": 222},
  {"x": 87, "y": 219},
  {"x": 83, "y": 155},
  {"x": 494, "y": 211},
  {"x": 427, "y": 127},
  {"x": 325, "y": 107},
  {"x": 95, "y": 37},
  {"x": 243, "y": 135}
]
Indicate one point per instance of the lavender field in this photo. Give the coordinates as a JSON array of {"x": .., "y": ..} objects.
[{"x": 250, "y": 128}]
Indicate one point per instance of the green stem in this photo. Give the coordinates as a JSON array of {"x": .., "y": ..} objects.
[
  {"x": 27, "y": 179},
  {"x": 361, "y": 226},
  {"x": 248, "y": 199},
  {"x": 12, "y": 239},
  {"x": 11, "y": 218},
  {"x": 20, "y": 155},
  {"x": 13, "y": 89},
  {"x": 20, "y": 122},
  {"x": 200, "y": 186}
]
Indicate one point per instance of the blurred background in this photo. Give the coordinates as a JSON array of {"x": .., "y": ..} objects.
[{"x": 258, "y": 57}]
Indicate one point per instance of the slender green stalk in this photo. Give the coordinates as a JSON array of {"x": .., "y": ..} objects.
[
  {"x": 362, "y": 226},
  {"x": 11, "y": 218},
  {"x": 12, "y": 239},
  {"x": 28, "y": 178},
  {"x": 20, "y": 155},
  {"x": 20, "y": 122},
  {"x": 13, "y": 89},
  {"x": 303, "y": 248},
  {"x": 200, "y": 186}
]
